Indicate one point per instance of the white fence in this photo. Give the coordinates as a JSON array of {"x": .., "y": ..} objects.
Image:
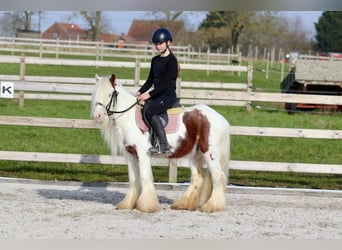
[
  {"x": 189, "y": 96},
  {"x": 172, "y": 164},
  {"x": 83, "y": 87},
  {"x": 100, "y": 50},
  {"x": 58, "y": 84}
]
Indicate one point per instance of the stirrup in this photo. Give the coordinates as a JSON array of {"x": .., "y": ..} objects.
[{"x": 157, "y": 152}]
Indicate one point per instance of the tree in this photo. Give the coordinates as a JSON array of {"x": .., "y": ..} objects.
[
  {"x": 329, "y": 32},
  {"x": 214, "y": 19},
  {"x": 10, "y": 22},
  {"x": 96, "y": 22},
  {"x": 232, "y": 23},
  {"x": 167, "y": 16}
]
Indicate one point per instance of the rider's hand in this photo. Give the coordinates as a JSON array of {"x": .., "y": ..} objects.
[{"x": 144, "y": 96}]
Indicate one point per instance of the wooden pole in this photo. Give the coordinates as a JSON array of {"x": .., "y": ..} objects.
[
  {"x": 249, "y": 83},
  {"x": 267, "y": 65},
  {"x": 137, "y": 72},
  {"x": 57, "y": 47},
  {"x": 173, "y": 171},
  {"x": 282, "y": 68},
  {"x": 208, "y": 59},
  {"x": 22, "y": 78}
]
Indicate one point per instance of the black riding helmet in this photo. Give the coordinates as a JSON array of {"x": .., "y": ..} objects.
[{"x": 161, "y": 35}]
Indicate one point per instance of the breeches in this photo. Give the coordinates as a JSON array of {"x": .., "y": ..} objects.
[{"x": 156, "y": 106}]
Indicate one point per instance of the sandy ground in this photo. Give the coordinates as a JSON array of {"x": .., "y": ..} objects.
[{"x": 37, "y": 210}]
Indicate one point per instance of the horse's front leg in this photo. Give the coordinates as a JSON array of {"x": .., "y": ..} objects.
[
  {"x": 129, "y": 202},
  {"x": 148, "y": 200}
]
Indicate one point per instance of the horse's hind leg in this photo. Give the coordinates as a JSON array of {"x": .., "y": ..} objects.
[
  {"x": 192, "y": 197},
  {"x": 217, "y": 199}
]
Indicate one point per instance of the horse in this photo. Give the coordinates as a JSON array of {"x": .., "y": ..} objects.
[{"x": 202, "y": 138}]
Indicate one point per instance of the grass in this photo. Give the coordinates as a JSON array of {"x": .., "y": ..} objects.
[{"x": 89, "y": 141}]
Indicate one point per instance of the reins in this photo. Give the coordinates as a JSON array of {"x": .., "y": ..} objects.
[{"x": 112, "y": 102}]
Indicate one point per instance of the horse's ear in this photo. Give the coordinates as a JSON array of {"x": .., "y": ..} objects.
[{"x": 112, "y": 80}]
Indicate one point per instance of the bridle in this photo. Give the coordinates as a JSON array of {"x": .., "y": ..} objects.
[{"x": 113, "y": 100}]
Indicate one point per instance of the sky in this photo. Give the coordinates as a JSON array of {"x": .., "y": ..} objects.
[{"x": 120, "y": 21}]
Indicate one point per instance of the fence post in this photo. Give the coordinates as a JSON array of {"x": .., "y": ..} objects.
[
  {"x": 267, "y": 64},
  {"x": 173, "y": 170},
  {"x": 21, "y": 78},
  {"x": 282, "y": 67},
  {"x": 249, "y": 83},
  {"x": 208, "y": 59},
  {"x": 13, "y": 46},
  {"x": 96, "y": 52},
  {"x": 57, "y": 47},
  {"x": 102, "y": 50},
  {"x": 228, "y": 57},
  {"x": 137, "y": 72},
  {"x": 40, "y": 48},
  {"x": 240, "y": 59}
]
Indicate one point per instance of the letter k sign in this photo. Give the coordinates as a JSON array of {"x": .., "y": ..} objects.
[{"x": 6, "y": 90}]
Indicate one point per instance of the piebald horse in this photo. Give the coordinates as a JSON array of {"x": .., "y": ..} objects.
[{"x": 203, "y": 137}]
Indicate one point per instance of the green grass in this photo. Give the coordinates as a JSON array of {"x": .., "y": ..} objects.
[{"x": 89, "y": 141}]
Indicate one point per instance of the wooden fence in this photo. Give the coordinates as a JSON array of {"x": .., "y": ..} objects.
[
  {"x": 60, "y": 84},
  {"x": 189, "y": 96},
  {"x": 100, "y": 50},
  {"x": 171, "y": 164},
  {"x": 83, "y": 87}
]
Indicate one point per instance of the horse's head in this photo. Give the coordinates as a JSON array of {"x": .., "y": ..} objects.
[
  {"x": 103, "y": 92},
  {"x": 105, "y": 100}
]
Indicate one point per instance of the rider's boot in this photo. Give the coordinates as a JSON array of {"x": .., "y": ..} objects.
[{"x": 162, "y": 149}]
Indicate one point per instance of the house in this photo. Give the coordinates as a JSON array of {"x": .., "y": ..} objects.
[
  {"x": 65, "y": 31},
  {"x": 141, "y": 31}
]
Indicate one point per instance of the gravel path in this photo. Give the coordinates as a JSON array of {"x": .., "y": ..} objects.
[{"x": 36, "y": 210}]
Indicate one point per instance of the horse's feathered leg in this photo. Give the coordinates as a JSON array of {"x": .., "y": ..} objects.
[
  {"x": 217, "y": 200},
  {"x": 129, "y": 202},
  {"x": 148, "y": 200},
  {"x": 192, "y": 197}
]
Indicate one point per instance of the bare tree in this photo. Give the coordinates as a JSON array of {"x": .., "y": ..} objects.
[
  {"x": 93, "y": 19},
  {"x": 27, "y": 18},
  {"x": 10, "y": 22},
  {"x": 167, "y": 16}
]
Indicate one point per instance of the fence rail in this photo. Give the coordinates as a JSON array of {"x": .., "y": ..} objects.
[
  {"x": 172, "y": 164},
  {"x": 99, "y": 50},
  {"x": 235, "y": 130},
  {"x": 30, "y": 83},
  {"x": 83, "y": 87},
  {"x": 189, "y": 96}
]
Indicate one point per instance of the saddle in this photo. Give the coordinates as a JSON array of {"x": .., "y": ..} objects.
[{"x": 169, "y": 118}]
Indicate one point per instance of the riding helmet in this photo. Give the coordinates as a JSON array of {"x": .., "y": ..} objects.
[{"x": 161, "y": 35}]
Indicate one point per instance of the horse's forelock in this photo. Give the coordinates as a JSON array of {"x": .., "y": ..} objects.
[{"x": 112, "y": 80}]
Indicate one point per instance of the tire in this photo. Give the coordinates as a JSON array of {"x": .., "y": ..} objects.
[{"x": 291, "y": 108}]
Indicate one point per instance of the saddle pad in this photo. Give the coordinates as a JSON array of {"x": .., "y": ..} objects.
[
  {"x": 175, "y": 111},
  {"x": 171, "y": 127}
]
